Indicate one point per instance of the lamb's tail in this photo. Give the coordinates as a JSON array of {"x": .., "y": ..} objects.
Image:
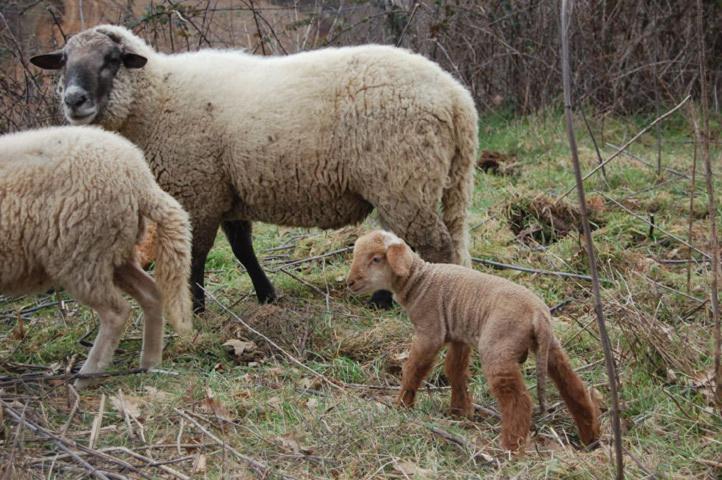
[
  {"x": 544, "y": 339},
  {"x": 173, "y": 257},
  {"x": 456, "y": 197},
  {"x": 583, "y": 408}
]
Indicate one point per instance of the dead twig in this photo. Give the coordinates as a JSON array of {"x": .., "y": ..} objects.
[
  {"x": 259, "y": 467},
  {"x": 506, "y": 266},
  {"x": 703, "y": 138},
  {"x": 626, "y": 145},
  {"x": 59, "y": 441},
  {"x": 589, "y": 242},
  {"x": 669, "y": 234}
]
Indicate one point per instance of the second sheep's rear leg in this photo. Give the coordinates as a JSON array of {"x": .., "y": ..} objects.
[
  {"x": 113, "y": 311},
  {"x": 139, "y": 285},
  {"x": 239, "y": 234}
]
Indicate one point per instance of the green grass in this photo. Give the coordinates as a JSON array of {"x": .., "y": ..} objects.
[{"x": 277, "y": 412}]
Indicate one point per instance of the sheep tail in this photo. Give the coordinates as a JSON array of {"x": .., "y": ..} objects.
[
  {"x": 456, "y": 197},
  {"x": 172, "y": 270},
  {"x": 580, "y": 403},
  {"x": 544, "y": 339}
]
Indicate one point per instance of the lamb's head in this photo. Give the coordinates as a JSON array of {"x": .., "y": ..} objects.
[
  {"x": 94, "y": 65},
  {"x": 378, "y": 258}
]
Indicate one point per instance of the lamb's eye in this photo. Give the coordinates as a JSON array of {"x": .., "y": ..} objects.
[{"x": 376, "y": 259}]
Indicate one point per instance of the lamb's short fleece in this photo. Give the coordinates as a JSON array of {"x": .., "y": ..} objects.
[
  {"x": 72, "y": 207},
  {"x": 464, "y": 308}
]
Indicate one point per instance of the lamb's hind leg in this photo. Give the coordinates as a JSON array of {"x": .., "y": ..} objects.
[
  {"x": 456, "y": 368},
  {"x": 507, "y": 386},
  {"x": 139, "y": 285},
  {"x": 113, "y": 311},
  {"x": 239, "y": 234}
]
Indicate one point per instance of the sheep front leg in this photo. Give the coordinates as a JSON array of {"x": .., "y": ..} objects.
[
  {"x": 239, "y": 234},
  {"x": 421, "y": 359},
  {"x": 456, "y": 368}
]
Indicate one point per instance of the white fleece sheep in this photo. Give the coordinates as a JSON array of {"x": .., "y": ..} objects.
[
  {"x": 72, "y": 207},
  {"x": 315, "y": 139}
]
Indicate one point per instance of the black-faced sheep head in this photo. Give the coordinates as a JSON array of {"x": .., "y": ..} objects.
[{"x": 90, "y": 62}]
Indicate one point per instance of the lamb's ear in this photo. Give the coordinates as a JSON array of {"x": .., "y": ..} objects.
[
  {"x": 400, "y": 258},
  {"x": 49, "y": 61},
  {"x": 133, "y": 60}
]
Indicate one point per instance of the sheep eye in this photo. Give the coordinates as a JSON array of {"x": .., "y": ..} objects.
[{"x": 376, "y": 259}]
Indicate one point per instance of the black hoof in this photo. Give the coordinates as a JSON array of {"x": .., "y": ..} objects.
[
  {"x": 383, "y": 300},
  {"x": 266, "y": 296},
  {"x": 199, "y": 305}
]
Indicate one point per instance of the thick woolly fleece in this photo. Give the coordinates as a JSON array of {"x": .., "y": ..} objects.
[
  {"x": 72, "y": 204},
  {"x": 315, "y": 139},
  {"x": 463, "y": 307}
]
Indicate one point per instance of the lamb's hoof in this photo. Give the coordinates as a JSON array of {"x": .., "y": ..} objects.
[
  {"x": 383, "y": 300},
  {"x": 461, "y": 412}
]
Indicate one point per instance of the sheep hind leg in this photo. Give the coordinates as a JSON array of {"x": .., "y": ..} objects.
[
  {"x": 135, "y": 282},
  {"x": 204, "y": 233},
  {"x": 239, "y": 234},
  {"x": 113, "y": 311}
]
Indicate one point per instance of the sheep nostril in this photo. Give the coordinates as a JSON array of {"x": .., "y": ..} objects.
[{"x": 75, "y": 99}]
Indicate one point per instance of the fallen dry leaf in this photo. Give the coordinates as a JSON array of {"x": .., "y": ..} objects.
[
  {"x": 199, "y": 464},
  {"x": 409, "y": 469},
  {"x": 213, "y": 405},
  {"x": 127, "y": 404},
  {"x": 243, "y": 351},
  {"x": 152, "y": 394}
]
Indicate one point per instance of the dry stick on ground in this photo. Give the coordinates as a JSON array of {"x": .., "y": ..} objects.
[
  {"x": 671, "y": 235},
  {"x": 626, "y": 145},
  {"x": 272, "y": 343},
  {"x": 259, "y": 467},
  {"x": 703, "y": 136},
  {"x": 674, "y": 172},
  {"x": 506, "y": 266},
  {"x": 61, "y": 443},
  {"x": 609, "y": 358},
  {"x": 460, "y": 441}
]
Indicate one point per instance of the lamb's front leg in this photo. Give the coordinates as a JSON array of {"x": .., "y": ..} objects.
[
  {"x": 456, "y": 368},
  {"x": 421, "y": 358}
]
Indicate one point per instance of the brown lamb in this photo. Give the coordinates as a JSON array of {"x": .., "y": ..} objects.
[{"x": 464, "y": 308}]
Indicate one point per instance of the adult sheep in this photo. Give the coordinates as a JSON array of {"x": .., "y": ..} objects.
[
  {"x": 72, "y": 206},
  {"x": 315, "y": 139}
]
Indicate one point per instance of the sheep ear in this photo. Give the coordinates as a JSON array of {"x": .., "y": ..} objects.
[
  {"x": 133, "y": 60},
  {"x": 399, "y": 257},
  {"x": 49, "y": 61}
]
